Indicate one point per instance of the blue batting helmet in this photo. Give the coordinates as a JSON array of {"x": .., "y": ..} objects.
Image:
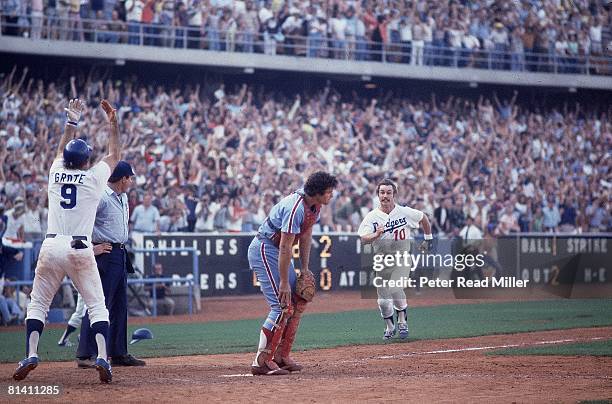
[
  {"x": 76, "y": 153},
  {"x": 140, "y": 334}
]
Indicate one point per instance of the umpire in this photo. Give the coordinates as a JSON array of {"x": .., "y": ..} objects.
[{"x": 110, "y": 234}]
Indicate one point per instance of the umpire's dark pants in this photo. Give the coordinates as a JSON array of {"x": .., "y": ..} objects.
[{"x": 112, "y": 270}]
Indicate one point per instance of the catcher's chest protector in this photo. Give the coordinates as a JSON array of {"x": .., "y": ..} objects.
[{"x": 311, "y": 214}]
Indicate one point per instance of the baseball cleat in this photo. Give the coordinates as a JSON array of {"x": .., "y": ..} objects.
[
  {"x": 269, "y": 368},
  {"x": 403, "y": 330},
  {"x": 104, "y": 369},
  {"x": 389, "y": 334},
  {"x": 85, "y": 363},
  {"x": 288, "y": 364},
  {"x": 25, "y": 367}
]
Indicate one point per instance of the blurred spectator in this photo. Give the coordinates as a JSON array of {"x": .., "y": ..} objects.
[
  {"x": 236, "y": 214},
  {"x": 134, "y": 10},
  {"x": 552, "y": 218},
  {"x": 10, "y": 312},
  {"x": 36, "y": 13},
  {"x": 507, "y": 222},
  {"x": 470, "y": 231},
  {"x": 15, "y": 221},
  {"x": 35, "y": 220},
  {"x": 194, "y": 13},
  {"x": 173, "y": 221},
  {"x": 567, "y": 223},
  {"x": 165, "y": 304},
  {"x": 145, "y": 218},
  {"x": 6, "y": 255},
  {"x": 205, "y": 214}
]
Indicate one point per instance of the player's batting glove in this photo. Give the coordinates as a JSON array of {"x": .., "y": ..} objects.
[
  {"x": 74, "y": 110},
  {"x": 426, "y": 246}
]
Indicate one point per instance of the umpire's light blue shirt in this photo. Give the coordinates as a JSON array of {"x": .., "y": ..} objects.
[{"x": 112, "y": 217}]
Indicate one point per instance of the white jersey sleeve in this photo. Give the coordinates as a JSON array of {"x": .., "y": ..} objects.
[
  {"x": 371, "y": 221},
  {"x": 101, "y": 173},
  {"x": 413, "y": 216}
]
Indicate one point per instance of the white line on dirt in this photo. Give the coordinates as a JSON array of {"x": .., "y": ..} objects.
[
  {"x": 238, "y": 375},
  {"x": 467, "y": 349},
  {"x": 482, "y": 348}
]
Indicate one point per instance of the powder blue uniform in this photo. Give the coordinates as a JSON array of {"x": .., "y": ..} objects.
[{"x": 287, "y": 216}]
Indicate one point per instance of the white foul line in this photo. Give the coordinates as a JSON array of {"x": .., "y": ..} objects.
[
  {"x": 442, "y": 351},
  {"x": 482, "y": 348},
  {"x": 238, "y": 375}
]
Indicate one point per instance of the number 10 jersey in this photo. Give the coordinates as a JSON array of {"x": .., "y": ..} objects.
[
  {"x": 74, "y": 196},
  {"x": 397, "y": 223}
]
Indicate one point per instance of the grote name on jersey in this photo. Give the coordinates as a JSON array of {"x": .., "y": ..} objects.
[{"x": 63, "y": 178}]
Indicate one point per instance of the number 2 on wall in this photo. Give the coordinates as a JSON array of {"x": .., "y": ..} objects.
[{"x": 69, "y": 193}]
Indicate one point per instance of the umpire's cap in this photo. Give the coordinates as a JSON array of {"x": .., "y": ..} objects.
[
  {"x": 141, "y": 333},
  {"x": 123, "y": 169},
  {"x": 76, "y": 153}
]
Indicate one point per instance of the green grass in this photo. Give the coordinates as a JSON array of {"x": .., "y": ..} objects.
[
  {"x": 346, "y": 328},
  {"x": 594, "y": 348}
]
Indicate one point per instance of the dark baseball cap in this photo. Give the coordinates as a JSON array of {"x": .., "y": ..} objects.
[{"x": 123, "y": 169}]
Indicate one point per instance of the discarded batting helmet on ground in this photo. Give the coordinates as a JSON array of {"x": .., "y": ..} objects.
[{"x": 140, "y": 334}]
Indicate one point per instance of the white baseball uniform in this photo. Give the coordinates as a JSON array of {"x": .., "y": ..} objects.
[
  {"x": 76, "y": 318},
  {"x": 73, "y": 199},
  {"x": 397, "y": 225}
]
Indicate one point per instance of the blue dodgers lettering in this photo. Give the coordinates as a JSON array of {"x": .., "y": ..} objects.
[
  {"x": 395, "y": 224},
  {"x": 64, "y": 178}
]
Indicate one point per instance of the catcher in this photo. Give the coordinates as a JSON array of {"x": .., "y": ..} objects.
[{"x": 270, "y": 255}]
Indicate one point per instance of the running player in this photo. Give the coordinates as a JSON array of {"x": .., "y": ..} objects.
[
  {"x": 393, "y": 222},
  {"x": 74, "y": 192}
]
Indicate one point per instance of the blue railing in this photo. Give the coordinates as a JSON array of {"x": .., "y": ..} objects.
[{"x": 131, "y": 281}]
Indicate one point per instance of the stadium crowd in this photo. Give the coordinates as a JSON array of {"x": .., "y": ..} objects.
[
  {"x": 215, "y": 159},
  {"x": 531, "y": 33}
]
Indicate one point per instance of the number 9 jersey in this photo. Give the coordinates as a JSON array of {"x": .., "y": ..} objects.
[{"x": 74, "y": 196}]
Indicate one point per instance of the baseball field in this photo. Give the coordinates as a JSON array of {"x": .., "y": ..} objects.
[{"x": 556, "y": 350}]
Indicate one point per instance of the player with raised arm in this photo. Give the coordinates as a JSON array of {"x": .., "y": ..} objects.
[
  {"x": 270, "y": 256},
  {"x": 74, "y": 192},
  {"x": 393, "y": 222}
]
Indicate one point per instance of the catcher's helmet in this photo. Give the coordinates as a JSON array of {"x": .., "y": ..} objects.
[
  {"x": 76, "y": 153},
  {"x": 141, "y": 333}
]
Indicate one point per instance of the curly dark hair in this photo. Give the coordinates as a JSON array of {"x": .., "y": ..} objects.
[
  {"x": 386, "y": 181},
  {"x": 319, "y": 182}
]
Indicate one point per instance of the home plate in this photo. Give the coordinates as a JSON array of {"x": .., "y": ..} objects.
[{"x": 238, "y": 375}]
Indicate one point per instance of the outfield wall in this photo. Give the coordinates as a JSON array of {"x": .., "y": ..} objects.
[{"x": 543, "y": 259}]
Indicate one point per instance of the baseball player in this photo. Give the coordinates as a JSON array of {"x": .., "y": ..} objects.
[
  {"x": 74, "y": 191},
  {"x": 393, "y": 222},
  {"x": 289, "y": 222},
  {"x": 74, "y": 322}
]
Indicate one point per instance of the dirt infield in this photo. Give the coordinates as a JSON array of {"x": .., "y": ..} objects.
[
  {"x": 452, "y": 370},
  {"x": 421, "y": 371}
]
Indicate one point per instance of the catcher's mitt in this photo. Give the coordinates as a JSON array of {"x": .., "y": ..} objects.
[{"x": 305, "y": 286}]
